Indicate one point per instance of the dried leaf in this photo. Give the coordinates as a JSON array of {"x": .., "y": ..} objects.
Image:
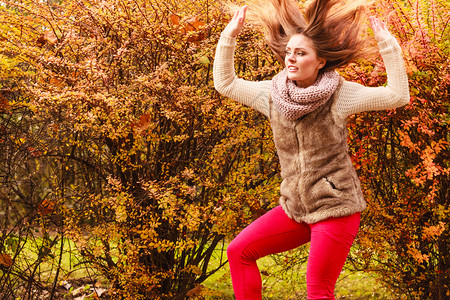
[
  {"x": 4, "y": 104},
  {"x": 46, "y": 207},
  {"x": 195, "y": 291},
  {"x": 5, "y": 260}
]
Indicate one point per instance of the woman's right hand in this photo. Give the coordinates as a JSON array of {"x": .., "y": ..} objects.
[{"x": 237, "y": 22}]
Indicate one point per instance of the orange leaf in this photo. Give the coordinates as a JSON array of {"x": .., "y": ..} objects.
[
  {"x": 46, "y": 207},
  {"x": 144, "y": 121},
  {"x": 197, "y": 291},
  {"x": 175, "y": 19},
  {"x": 50, "y": 37},
  {"x": 5, "y": 260},
  {"x": 55, "y": 82},
  {"x": 192, "y": 24},
  {"x": 4, "y": 104},
  {"x": 197, "y": 24}
]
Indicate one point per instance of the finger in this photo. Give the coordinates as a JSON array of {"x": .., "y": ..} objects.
[
  {"x": 236, "y": 14},
  {"x": 373, "y": 21},
  {"x": 381, "y": 24},
  {"x": 242, "y": 13},
  {"x": 244, "y": 9},
  {"x": 377, "y": 23}
]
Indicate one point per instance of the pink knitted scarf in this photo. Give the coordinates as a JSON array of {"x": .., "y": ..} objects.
[{"x": 293, "y": 101}]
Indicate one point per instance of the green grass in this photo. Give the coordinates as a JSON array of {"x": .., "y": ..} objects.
[
  {"x": 278, "y": 284},
  {"x": 71, "y": 267}
]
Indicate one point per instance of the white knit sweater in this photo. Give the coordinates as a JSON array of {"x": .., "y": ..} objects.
[{"x": 352, "y": 97}]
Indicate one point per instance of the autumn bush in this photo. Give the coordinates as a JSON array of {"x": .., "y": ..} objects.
[
  {"x": 113, "y": 137},
  {"x": 402, "y": 157},
  {"x": 134, "y": 155}
]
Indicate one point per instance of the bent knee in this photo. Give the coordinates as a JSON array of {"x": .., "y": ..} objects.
[
  {"x": 234, "y": 250},
  {"x": 242, "y": 251}
]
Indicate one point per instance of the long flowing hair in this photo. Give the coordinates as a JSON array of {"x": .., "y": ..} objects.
[{"x": 335, "y": 27}]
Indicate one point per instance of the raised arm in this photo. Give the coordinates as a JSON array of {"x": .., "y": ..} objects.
[
  {"x": 354, "y": 98},
  {"x": 253, "y": 94}
]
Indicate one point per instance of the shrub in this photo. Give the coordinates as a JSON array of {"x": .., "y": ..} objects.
[
  {"x": 141, "y": 163},
  {"x": 402, "y": 157}
]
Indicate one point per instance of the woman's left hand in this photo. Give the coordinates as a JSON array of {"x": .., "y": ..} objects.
[{"x": 379, "y": 29}]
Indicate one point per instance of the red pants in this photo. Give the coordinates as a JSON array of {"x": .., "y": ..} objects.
[{"x": 275, "y": 232}]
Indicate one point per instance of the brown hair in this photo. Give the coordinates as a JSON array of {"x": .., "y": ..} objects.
[{"x": 333, "y": 26}]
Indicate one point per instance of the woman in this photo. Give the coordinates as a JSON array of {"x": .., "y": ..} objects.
[{"x": 308, "y": 104}]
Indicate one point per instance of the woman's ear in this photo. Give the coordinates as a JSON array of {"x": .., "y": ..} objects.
[{"x": 322, "y": 62}]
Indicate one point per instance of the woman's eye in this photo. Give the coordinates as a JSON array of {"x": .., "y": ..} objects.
[{"x": 287, "y": 53}]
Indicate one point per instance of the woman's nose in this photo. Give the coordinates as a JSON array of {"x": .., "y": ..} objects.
[{"x": 291, "y": 57}]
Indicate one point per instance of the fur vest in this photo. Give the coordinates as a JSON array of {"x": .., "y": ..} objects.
[{"x": 319, "y": 180}]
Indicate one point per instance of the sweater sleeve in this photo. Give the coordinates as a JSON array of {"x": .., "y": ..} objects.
[
  {"x": 253, "y": 94},
  {"x": 354, "y": 98}
]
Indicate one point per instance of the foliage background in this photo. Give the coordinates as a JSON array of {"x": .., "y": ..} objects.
[
  {"x": 117, "y": 153},
  {"x": 404, "y": 159}
]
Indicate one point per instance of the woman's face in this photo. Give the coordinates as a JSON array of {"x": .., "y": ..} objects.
[{"x": 301, "y": 61}]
